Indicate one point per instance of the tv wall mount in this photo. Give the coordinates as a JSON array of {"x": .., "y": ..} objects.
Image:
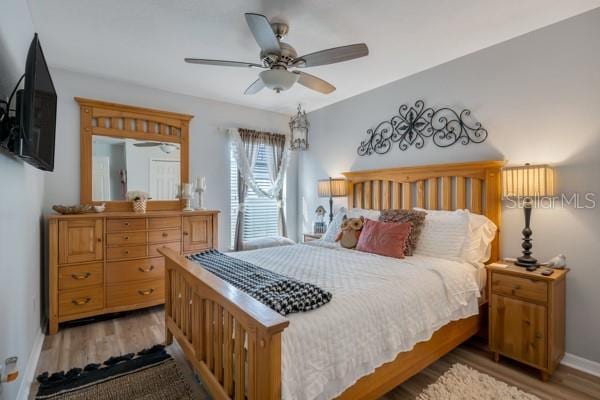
[{"x": 9, "y": 124}]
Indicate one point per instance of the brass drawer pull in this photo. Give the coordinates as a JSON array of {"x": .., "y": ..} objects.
[
  {"x": 151, "y": 268},
  {"x": 82, "y": 276},
  {"x": 146, "y": 292},
  {"x": 81, "y": 302}
]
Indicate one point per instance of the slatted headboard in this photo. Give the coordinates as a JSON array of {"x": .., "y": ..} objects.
[{"x": 475, "y": 186}]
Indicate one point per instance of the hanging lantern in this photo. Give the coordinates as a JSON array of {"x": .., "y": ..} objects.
[{"x": 299, "y": 129}]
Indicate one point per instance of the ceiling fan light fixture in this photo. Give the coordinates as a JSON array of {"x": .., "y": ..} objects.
[{"x": 278, "y": 79}]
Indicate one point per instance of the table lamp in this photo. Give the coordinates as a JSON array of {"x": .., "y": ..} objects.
[
  {"x": 332, "y": 187},
  {"x": 526, "y": 182}
]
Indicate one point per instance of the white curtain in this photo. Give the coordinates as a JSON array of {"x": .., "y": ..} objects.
[{"x": 246, "y": 164}]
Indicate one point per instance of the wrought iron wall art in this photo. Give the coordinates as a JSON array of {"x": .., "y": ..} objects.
[{"x": 413, "y": 125}]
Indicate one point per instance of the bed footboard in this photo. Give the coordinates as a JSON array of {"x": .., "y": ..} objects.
[{"x": 232, "y": 340}]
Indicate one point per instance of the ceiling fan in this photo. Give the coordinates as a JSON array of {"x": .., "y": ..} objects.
[
  {"x": 165, "y": 147},
  {"x": 278, "y": 57}
]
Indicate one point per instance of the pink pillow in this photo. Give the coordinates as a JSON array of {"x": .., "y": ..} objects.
[{"x": 384, "y": 238}]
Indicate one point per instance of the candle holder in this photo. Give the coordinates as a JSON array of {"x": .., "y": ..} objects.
[
  {"x": 187, "y": 194},
  {"x": 199, "y": 188}
]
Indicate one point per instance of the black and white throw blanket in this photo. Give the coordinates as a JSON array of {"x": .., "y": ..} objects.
[{"x": 282, "y": 294}]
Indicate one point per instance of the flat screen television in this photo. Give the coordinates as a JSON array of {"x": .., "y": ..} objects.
[{"x": 36, "y": 112}]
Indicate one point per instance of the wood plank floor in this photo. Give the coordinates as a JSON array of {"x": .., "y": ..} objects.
[{"x": 95, "y": 342}]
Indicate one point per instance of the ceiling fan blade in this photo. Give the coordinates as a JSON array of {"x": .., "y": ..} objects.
[
  {"x": 263, "y": 33},
  {"x": 222, "y": 63},
  {"x": 314, "y": 83},
  {"x": 331, "y": 56},
  {"x": 147, "y": 144},
  {"x": 256, "y": 87}
]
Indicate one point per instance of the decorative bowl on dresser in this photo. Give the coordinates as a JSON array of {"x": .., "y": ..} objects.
[
  {"x": 105, "y": 263},
  {"x": 527, "y": 316}
]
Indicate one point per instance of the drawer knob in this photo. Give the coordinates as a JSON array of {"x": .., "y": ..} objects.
[
  {"x": 141, "y": 269},
  {"x": 81, "y": 302},
  {"x": 82, "y": 276},
  {"x": 126, "y": 223},
  {"x": 146, "y": 292},
  {"x": 126, "y": 237},
  {"x": 185, "y": 233},
  {"x": 126, "y": 252},
  {"x": 99, "y": 240},
  {"x": 165, "y": 234}
]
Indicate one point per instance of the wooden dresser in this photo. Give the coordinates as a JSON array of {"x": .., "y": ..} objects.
[
  {"x": 527, "y": 316},
  {"x": 109, "y": 262}
]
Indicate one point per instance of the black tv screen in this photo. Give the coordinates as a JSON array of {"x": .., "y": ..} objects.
[{"x": 36, "y": 109}]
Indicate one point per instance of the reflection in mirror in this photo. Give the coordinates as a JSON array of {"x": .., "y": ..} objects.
[{"x": 120, "y": 165}]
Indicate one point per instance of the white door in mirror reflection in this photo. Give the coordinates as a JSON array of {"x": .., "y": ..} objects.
[
  {"x": 100, "y": 178},
  {"x": 164, "y": 177}
]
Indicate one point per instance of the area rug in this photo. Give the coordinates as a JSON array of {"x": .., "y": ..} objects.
[
  {"x": 151, "y": 374},
  {"x": 464, "y": 383}
]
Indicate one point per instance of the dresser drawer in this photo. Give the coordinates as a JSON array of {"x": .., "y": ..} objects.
[
  {"x": 80, "y": 300},
  {"x": 135, "y": 270},
  {"x": 135, "y": 293},
  {"x": 169, "y": 235},
  {"x": 77, "y": 276},
  {"x": 125, "y": 252},
  {"x": 164, "y": 222},
  {"x": 125, "y": 224},
  {"x": 125, "y": 238},
  {"x": 531, "y": 289},
  {"x": 153, "y": 248}
]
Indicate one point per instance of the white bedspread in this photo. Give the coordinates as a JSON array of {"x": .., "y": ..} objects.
[{"x": 381, "y": 306}]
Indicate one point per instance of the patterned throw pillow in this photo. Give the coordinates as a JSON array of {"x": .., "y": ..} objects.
[{"x": 414, "y": 217}]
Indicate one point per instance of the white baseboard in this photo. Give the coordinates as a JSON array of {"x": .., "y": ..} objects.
[
  {"x": 582, "y": 364},
  {"x": 29, "y": 373}
]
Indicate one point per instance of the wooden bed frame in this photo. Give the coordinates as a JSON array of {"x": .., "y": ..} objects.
[{"x": 234, "y": 341}]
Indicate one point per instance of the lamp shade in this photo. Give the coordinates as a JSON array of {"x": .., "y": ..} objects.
[
  {"x": 332, "y": 187},
  {"x": 528, "y": 181}
]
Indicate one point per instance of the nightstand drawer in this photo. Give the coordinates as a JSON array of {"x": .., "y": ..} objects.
[{"x": 531, "y": 289}]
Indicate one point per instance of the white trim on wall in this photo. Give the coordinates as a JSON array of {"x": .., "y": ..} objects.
[
  {"x": 581, "y": 364},
  {"x": 29, "y": 374}
]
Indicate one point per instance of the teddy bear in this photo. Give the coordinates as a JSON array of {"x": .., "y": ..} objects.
[{"x": 350, "y": 232}]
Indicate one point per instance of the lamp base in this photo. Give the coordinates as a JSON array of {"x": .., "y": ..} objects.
[{"x": 526, "y": 261}]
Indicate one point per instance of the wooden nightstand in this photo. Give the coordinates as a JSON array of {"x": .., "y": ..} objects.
[
  {"x": 527, "y": 316},
  {"x": 312, "y": 236}
]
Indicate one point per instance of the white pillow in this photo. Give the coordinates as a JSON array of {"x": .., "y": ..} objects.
[
  {"x": 334, "y": 227},
  {"x": 443, "y": 234},
  {"x": 480, "y": 232},
  {"x": 477, "y": 249}
]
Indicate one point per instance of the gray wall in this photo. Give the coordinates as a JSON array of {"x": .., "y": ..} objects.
[
  {"x": 209, "y": 150},
  {"x": 22, "y": 188},
  {"x": 539, "y": 97}
]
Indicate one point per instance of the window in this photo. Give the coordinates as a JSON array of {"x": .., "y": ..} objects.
[{"x": 262, "y": 215}]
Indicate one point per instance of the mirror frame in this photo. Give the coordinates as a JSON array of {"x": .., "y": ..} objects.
[{"x": 102, "y": 118}]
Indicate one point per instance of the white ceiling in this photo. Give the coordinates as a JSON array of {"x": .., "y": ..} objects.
[{"x": 145, "y": 41}]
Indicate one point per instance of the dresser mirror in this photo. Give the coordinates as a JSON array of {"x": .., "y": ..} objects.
[
  {"x": 120, "y": 165},
  {"x": 126, "y": 148}
]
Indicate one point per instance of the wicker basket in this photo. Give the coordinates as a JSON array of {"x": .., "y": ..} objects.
[{"x": 139, "y": 206}]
